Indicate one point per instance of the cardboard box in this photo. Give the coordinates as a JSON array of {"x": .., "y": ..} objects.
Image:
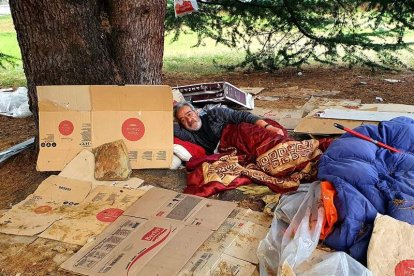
[
  {"x": 72, "y": 118},
  {"x": 192, "y": 210},
  {"x": 217, "y": 92},
  {"x": 157, "y": 235},
  {"x": 136, "y": 246}
]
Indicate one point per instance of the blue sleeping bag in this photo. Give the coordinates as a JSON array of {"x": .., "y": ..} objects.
[{"x": 369, "y": 180}]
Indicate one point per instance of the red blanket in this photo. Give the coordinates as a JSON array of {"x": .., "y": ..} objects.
[{"x": 251, "y": 154}]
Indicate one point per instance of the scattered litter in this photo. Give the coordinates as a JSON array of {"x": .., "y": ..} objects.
[
  {"x": 7, "y": 153},
  {"x": 393, "y": 80},
  {"x": 183, "y": 7},
  {"x": 300, "y": 74},
  {"x": 301, "y": 93},
  {"x": 217, "y": 92},
  {"x": 320, "y": 102},
  {"x": 361, "y": 115},
  {"x": 15, "y": 104},
  {"x": 379, "y": 99},
  {"x": 363, "y": 83},
  {"x": 252, "y": 90},
  {"x": 8, "y": 89},
  {"x": 267, "y": 98}
]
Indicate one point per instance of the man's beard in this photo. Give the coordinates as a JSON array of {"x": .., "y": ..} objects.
[{"x": 196, "y": 125}]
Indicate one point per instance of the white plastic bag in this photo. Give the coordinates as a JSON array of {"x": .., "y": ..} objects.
[
  {"x": 15, "y": 104},
  {"x": 290, "y": 247},
  {"x": 183, "y": 7}
]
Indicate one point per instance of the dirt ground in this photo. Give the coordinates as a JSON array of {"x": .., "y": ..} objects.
[{"x": 19, "y": 178}]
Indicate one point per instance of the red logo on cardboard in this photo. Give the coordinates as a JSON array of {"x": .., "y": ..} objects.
[
  {"x": 133, "y": 129},
  {"x": 43, "y": 209},
  {"x": 109, "y": 215},
  {"x": 154, "y": 234},
  {"x": 405, "y": 268},
  {"x": 66, "y": 127}
]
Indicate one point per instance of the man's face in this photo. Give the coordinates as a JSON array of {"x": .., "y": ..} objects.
[{"x": 188, "y": 118}]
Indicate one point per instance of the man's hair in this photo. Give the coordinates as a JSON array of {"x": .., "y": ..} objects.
[{"x": 180, "y": 105}]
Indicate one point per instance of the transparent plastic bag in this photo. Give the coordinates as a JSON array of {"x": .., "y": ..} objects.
[
  {"x": 290, "y": 246},
  {"x": 15, "y": 104}
]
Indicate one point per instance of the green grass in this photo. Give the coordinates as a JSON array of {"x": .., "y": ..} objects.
[{"x": 179, "y": 57}]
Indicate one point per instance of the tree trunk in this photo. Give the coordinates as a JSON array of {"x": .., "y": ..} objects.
[{"x": 68, "y": 42}]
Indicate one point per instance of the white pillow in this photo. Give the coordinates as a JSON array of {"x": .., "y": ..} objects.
[
  {"x": 176, "y": 163},
  {"x": 182, "y": 152}
]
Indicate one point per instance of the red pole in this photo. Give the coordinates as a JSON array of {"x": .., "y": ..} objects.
[{"x": 369, "y": 139}]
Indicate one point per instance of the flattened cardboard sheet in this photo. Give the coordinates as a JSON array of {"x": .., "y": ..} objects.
[
  {"x": 192, "y": 210},
  {"x": 88, "y": 219},
  {"x": 50, "y": 202},
  {"x": 136, "y": 246},
  {"x": 288, "y": 118},
  {"x": 231, "y": 250},
  {"x": 214, "y": 263}
]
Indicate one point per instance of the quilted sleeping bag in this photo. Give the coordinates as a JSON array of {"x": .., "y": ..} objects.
[{"x": 369, "y": 180}]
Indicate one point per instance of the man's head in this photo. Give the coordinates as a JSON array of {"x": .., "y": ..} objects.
[{"x": 187, "y": 116}]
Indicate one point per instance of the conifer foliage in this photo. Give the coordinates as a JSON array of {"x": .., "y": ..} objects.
[{"x": 279, "y": 33}]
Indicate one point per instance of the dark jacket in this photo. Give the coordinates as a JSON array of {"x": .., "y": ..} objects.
[{"x": 216, "y": 120}]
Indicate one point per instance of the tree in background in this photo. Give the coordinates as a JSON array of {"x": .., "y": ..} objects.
[
  {"x": 89, "y": 42},
  {"x": 278, "y": 33}
]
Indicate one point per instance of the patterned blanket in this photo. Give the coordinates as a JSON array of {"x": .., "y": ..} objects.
[{"x": 251, "y": 154}]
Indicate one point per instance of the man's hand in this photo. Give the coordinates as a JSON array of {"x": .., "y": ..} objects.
[{"x": 275, "y": 130}]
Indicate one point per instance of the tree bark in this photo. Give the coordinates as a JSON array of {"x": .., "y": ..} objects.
[{"x": 75, "y": 42}]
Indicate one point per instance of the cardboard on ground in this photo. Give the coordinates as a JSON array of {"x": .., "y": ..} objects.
[
  {"x": 192, "y": 210},
  {"x": 231, "y": 250},
  {"x": 288, "y": 118},
  {"x": 72, "y": 118},
  {"x": 88, "y": 219},
  {"x": 356, "y": 117},
  {"x": 82, "y": 167},
  {"x": 48, "y": 203},
  {"x": 398, "y": 237},
  {"x": 156, "y": 236}
]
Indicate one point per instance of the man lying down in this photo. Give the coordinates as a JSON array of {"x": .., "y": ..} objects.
[
  {"x": 206, "y": 130},
  {"x": 247, "y": 149}
]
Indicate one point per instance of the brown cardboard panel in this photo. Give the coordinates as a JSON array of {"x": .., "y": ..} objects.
[
  {"x": 171, "y": 259},
  {"x": 64, "y": 97},
  {"x": 131, "y": 98},
  {"x": 192, "y": 210},
  {"x": 288, "y": 118},
  {"x": 100, "y": 208},
  {"x": 320, "y": 126},
  {"x": 51, "y": 201},
  {"x": 216, "y": 263},
  {"x": 147, "y": 135},
  {"x": 135, "y": 246},
  {"x": 77, "y": 117},
  {"x": 236, "y": 238},
  {"x": 259, "y": 218}
]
